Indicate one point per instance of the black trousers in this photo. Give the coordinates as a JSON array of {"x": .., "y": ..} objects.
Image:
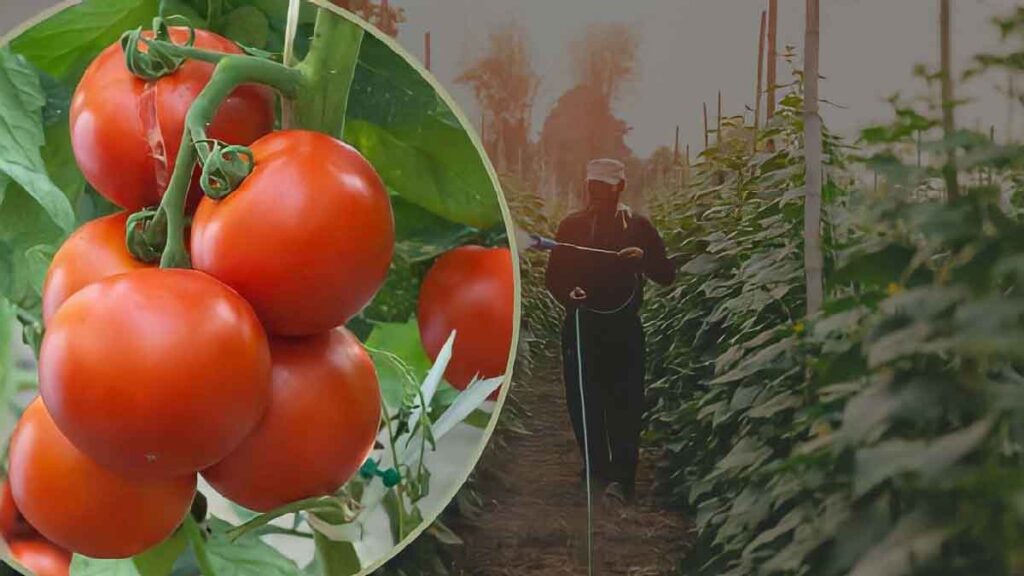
[{"x": 613, "y": 390}]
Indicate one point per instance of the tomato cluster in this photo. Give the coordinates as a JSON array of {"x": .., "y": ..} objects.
[{"x": 239, "y": 369}]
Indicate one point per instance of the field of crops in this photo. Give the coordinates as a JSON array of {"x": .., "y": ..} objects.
[{"x": 882, "y": 435}]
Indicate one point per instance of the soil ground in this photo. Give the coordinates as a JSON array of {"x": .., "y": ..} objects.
[{"x": 535, "y": 513}]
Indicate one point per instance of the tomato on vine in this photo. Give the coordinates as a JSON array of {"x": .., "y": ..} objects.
[
  {"x": 41, "y": 558},
  {"x": 95, "y": 251},
  {"x": 155, "y": 373},
  {"x": 125, "y": 131},
  {"x": 470, "y": 290},
  {"x": 79, "y": 505},
  {"x": 319, "y": 429},
  {"x": 307, "y": 238}
]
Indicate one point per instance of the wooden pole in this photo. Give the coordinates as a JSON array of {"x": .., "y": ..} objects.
[
  {"x": 773, "y": 54},
  {"x": 675, "y": 150},
  {"x": 760, "y": 77},
  {"x": 718, "y": 138},
  {"x": 426, "y": 50},
  {"x": 813, "y": 256},
  {"x": 707, "y": 129},
  {"x": 949, "y": 171}
]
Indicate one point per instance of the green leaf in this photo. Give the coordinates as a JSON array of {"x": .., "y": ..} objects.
[
  {"x": 334, "y": 558},
  {"x": 21, "y": 136},
  {"x": 248, "y": 26},
  {"x": 420, "y": 235},
  {"x": 400, "y": 123},
  {"x": 60, "y": 162},
  {"x": 63, "y": 44},
  {"x": 894, "y": 457},
  {"x": 159, "y": 560},
  {"x": 246, "y": 556},
  {"x": 913, "y": 541},
  {"x": 400, "y": 359},
  {"x": 84, "y": 566}
]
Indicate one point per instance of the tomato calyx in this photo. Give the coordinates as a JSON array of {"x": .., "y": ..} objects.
[
  {"x": 146, "y": 235},
  {"x": 224, "y": 166},
  {"x": 161, "y": 56}
]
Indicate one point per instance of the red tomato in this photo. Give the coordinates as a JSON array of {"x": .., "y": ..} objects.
[
  {"x": 12, "y": 523},
  {"x": 155, "y": 373},
  {"x": 470, "y": 290},
  {"x": 81, "y": 506},
  {"x": 319, "y": 429},
  {"x": 41, "y": 558},
  {"x": 122, "y": 127},
  {"x": 307, "y": 238},
  {"x": 95, "y": 251}
]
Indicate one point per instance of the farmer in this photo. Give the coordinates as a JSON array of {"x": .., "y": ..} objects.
[{"x": 599, "y": 266}]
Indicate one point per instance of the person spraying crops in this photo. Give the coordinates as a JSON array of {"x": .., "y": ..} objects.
[{"x": 600, "y": 260}]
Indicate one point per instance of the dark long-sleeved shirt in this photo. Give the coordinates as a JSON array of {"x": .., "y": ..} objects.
[{"x": 608, "y": 280}]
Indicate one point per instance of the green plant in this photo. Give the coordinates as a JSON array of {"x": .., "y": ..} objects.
[{"x": 880, "y": 436}]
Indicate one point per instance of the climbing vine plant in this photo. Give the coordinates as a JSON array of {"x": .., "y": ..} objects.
[{"x": 882, "y": 436}]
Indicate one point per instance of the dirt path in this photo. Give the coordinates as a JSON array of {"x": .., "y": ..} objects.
[{"x": 535, "y": 506}]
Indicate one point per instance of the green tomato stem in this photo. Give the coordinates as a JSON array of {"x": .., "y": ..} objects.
[
  {"x": 329, "y": 67},
  {"x": 195, "y": 539},
  {"x": 190, "y": 52},
  {"x": 231, "y": 72},
  {"x": 317, "y": 503}
]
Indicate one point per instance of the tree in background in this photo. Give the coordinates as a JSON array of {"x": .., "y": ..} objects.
[
  {"x": 505, "y": 84},
  {"x": 604, "y": 57},
  {"x": 582, "y": 125}
]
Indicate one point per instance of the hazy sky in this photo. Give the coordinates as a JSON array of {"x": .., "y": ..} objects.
[{"x": 689, "y": 49}]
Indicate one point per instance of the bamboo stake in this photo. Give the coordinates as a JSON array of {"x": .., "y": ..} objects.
[
  {"x": 773, "y": 54},
  {"x": 760, "y": 78},
  {"x": 813, "y": 257},
  {"x": 949, "y": 171}
]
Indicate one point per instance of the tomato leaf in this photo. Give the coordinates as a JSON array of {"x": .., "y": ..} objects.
[
  {"x": 245, "y": 556},
  {"x": 399, "y": 122},
  {"x": 159, "y": 560},
  {"x": 401, "y": 362},
  {"x": 63, "y": 44},
  {"x": 334, "y": 557},
  {"x": 421, "y": 235},
  {"x": 21, "y": 137}
]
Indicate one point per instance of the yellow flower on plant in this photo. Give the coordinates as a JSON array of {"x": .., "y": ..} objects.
[
  {"x": 893, "y": 289},
  {"x": 799, "y": 328}
]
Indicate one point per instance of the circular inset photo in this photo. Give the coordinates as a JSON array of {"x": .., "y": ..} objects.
[{"x": 258, "y": 290}]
